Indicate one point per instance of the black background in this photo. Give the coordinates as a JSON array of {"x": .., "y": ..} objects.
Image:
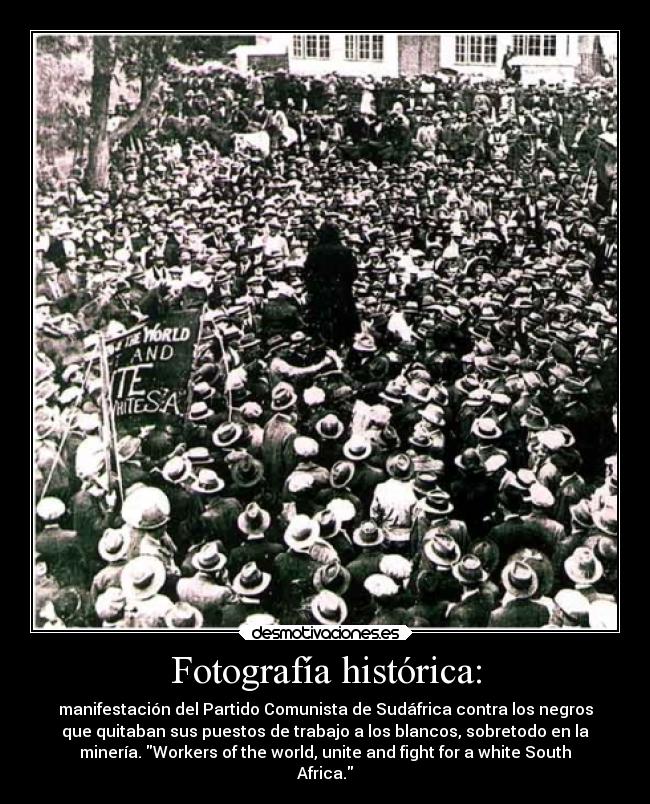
[
  {"x": 50, "y": 669},
  {"x": 540, "y": 668}
]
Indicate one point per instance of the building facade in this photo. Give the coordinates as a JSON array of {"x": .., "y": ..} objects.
[{"x": 552, "y": 56}]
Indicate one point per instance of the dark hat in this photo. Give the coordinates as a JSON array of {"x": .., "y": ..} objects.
[
  {"x": 247, "y": 472},
  {"x": 425, "y": 483},
  {"x": 438, "y": 503}
]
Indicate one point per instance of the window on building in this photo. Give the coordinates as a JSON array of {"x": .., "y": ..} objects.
[
  {"x": 534, "y": 45},
  {"x": 363, "y": 47},
  {"x": 460, "y": 50},
  {"x": 550, "y": 45},
  {"x": 476, "y": 49},
  {"x": 311, "y": 46},
  {"x": 324, "y": 47},
  {"x": 377, "y": 48}
]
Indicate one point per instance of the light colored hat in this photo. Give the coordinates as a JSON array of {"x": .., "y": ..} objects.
[
  {"x": 333, "y": 576},
  {"x": 520, "y": 579},
  {"x": 380, "y": 585},
  {"x": 260, "y": 619},
  {"x": 208, "y": 559},
  {"x": 251, "y": 581},
  {"x": 603, "y": 615},
  {"x": 469, "y": 570},
  {"x": 328, "y": 608},
  {"x": 143, "y": 577},
  {"x": 441, "y": 549},
  {"x": 305, "y": 447},
  {"x": 582, "y": 567},
  {"x": 183, "y": 615},
  {"x": 486, "y": 429},
  {"x": 301, "y": 533},
  {"x": 253, "y": 520},
  {"x": 540, "y": 496},
  {"x": 368, "y": 534},
  {"x": 207, "y": 482},
  {"x": 177, "y": 469},
  {"x": 313, "y": 396},
  {"x": 114, "y": 545},
  {"x": 606, "y": 520},
  {"x": 396, "y": 567},
  {"x": 298, "y": 482},
  {"x": 574, "y": 605},
  {"x": 146, "y": 508},
  {"x": 342, "y": 509},
  {"x": 110, "y": 604},
  {"x": 50, "y": 509}
]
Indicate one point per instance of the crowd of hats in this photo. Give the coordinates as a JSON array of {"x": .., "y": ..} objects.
[{"x": 481, "y": 387}]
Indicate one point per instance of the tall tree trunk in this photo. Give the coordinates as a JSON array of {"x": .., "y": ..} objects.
[{"x": 100, "y": 145}]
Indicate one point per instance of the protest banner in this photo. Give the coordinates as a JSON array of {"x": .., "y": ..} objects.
[{"x": 150, "y": 369}]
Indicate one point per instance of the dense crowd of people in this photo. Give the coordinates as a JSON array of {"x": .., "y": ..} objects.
[{"x": 403, "y": 402}]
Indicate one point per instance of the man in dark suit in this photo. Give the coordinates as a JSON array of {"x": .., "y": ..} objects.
[
  {"x": 475, "y": 606},
  {"x": 521, "y": 612}
]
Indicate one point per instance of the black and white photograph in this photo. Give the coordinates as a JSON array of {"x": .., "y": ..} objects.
[{"x": 325, "y": 330}]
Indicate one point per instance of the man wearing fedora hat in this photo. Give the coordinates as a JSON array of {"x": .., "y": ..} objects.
[
  {"x": 520, "y": 580},
  {"x": 142, "y": 580},
  {"x": 58, "y": 546},
  {"x": 207, "y": 590},
  {"x": 432, "y": 513},
  {"x": 252, "y": 588},
  {"x": 475, "y": 605},
  {"x": 116, "y": 549},
  {"x": 294, "y": 569},
  {"x": 393, "y": 502},
  {"x": 253, "y": 524}
]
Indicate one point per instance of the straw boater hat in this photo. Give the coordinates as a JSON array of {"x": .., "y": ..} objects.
[
  {"x": 114, "y": 545},
  {"x": 208, "y": 559},
  {"x": 254, "y": 521},
  {"x": 583, "y": 568},
  {"x": 520, "y": 579},
  {"x": 199, "y": 412},
  {"x": 207, "y": 482},
  {"x": 183, "y": 615},
  {"x": 227, "y": 434},
  {"x": 251, "y": 581},
  {"x": 176, "y": 470},
  {"x": 143, "y": 577},
  {"x": 328, "y": 608},
  {"x": 441, "y": 549},
  {"x": 301, "y": 533},
  {"x": 486, "y": 429}
]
